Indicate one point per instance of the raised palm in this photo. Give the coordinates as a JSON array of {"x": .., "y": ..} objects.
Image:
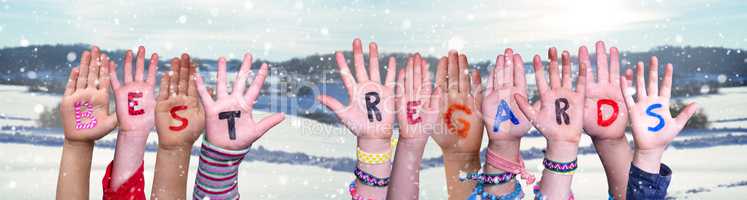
[
  {"x": 180, "y": 118},
  {"x": 460, "y": 126},
  {"x": 652, "y": 123},
  {"x": 559, "y": 117},
  {"x": 417, "y": 103},
  {"x": 507, "y": 79},
  {"x": 135, "y": 99},
  {"x": 235, "y": 110},
  {"x": 604, "y": 95},
  {"x": 370, "y": 112},
  {"x": 88, "y": 88}
]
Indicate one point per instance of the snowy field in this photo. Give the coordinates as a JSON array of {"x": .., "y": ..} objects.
[{"x": 30, "y": 172}]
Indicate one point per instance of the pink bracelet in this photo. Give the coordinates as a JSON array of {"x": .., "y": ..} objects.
[
  {"x": 354, "y": 193},
  {"x": 517, "y": 168}
]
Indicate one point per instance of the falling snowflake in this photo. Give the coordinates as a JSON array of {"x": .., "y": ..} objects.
[
  {"x": 24, "y": 42},
  {"x": 71, "y": 56},
  {"x": 38, "y": 108},
  {"x": 182, "y": 19}
]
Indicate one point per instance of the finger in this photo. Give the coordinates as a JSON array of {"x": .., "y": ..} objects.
[
  {"x": 93, "y": 69},
  {"x": 583, "y": 60},
  {"x": 539, "y": 75},
  {"x": 584, "y": 71},
  {"x": 221, "y": 78},
  {"x": 128, "y": 67},
  {"x": 401, "y": 84},
  {"x": 553, "y": 69},
  {"x": 441, "y": 73},
  {"x": 360, "y": 68},
  {"x": 152, "y": 69},
  {"x": 566, "y": 81},
  {"x": 666, "y": 84},
  {"x": 640, "y": 84},
  {"x": 184, "y": 66},
  {"x": 192, "y": 91},
  {"x": 500, "y": 69},
  {"x": 333, "y": 104},
  {"x": 163, "y": 92},
  {"x": 103, "y": 77},
  {"x": 629, "y": 78},
  {"x": 268, "y": 122},
  {"x": 113, "y": 75},
  {"x": 426, "y": 84},
  {"x": 493, "y": 73},
  {"x": 373, "y": 62},
  {"x": 653, "y": 77},
  {"x": 686, "y": 113},
  {"x": 256, "y": 86},
  {"x": 240, "y": 83},
  {"x": 627, "y": 94},
  {"x": 417, "y": 77},
  {"x": 84, "y": 65},
  {"x": 603, "y": 75},
  {"x": 476, "y": 86},
  {"x": 174, "y": 82},
  {"x": 140, "y": 64},
  {"x": 408, "y": 78},
  {"x": 345, "y": 74},
  {"x": 463, "y": 76},
  {"x": 390, "y": 72},
  {"x": 452, "y": 79},
  {"x": 520, "y": 79},
  {"x": 508, "y": 68},
  {"x": 70, "y": 88},
  {"x": 525, "y": 108},
  {"x": 614, "y": 65},
  {"x": 204, "y": 94}
]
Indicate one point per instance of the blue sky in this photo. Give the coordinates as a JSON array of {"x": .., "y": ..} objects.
[{"x": 278, "y": 30}]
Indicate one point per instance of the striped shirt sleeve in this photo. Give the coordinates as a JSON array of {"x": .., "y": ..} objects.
[{"x": 217, "y": 174}]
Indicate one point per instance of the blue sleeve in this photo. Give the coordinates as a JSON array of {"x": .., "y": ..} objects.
[{"x": 644, "y": 185}]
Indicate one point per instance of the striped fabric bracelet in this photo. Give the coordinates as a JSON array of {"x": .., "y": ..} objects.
[
  {"x": 217, "y": 174},
  {"x": 563, "y": 168}
]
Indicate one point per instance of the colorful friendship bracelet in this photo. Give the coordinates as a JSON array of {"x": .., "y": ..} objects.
[
  {"x": 480, "y": 194},
  {"x": 517, "y": 168},
  {"x": 489, "y": 179},
  {"x": 354, "y": 193},
  {"x": 564, "y": 168},
  {"x": 376, "y": 158},
  {"x": 369, "y": 179}
]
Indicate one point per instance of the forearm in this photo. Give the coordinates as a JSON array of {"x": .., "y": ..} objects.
[
  {"x": 616, "y": 156},
  {"x": 170, "y": 176},
  {"x": 377, "y": 170},
  {"x": 460, "y": 162},
  {"x": 507, "y": 149},
  {"x": 218, "y": 172},
  {"x": 405, "y": 175},
  {"x": 555, "y": 185},
  {"x": 75, "y": 170},
  {"x": 128, "y": 156}
]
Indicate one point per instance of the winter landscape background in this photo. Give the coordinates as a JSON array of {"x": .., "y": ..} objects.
[{"x": 310, "y": 155}]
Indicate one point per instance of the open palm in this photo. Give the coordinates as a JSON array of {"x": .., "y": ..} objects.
[
  {"x": 135, "y": 112},
  {"x": 88, "y": 88},
  {"x": 370, "y": 112},
  {"x": 507, "y": 79},
  {"x": 180, "y": 118},
  {"x": 604, "y": 94},
  {"x": 236, "y": 107},
  {"x": 417, "y": 104}
]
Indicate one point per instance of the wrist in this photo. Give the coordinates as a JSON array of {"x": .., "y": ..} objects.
[
  {"x": 78, "y": 146},
  {"x": 612, "y": 140},
  {"x": 506, "y": 149},
  {"x": 374, "y": 145},
  {"x": 648, "y": 160},
  {"x": 561, "y": 151}
]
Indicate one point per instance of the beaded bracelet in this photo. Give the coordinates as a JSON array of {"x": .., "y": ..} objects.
[
  {"x": 354, "y": 193},
  {"x": 376, "y": 158},
  {"x": 481, "y": 194},
  {"x": 564, "y": 168},
  {"x": 538, "y": 195},
  {"x": 369, "y": 179},
  {"x": 489, "y": 179}
]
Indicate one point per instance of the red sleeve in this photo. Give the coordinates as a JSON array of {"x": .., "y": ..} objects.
[{"x": 132, "y": 189}]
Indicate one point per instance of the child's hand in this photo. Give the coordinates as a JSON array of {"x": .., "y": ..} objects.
[
  {"x": 229, "y": 119},
  {"x": 85, "y": 105},
  {"x": 604, "y": 115},
  {"x": 652, "y": 123},
  {"x": 559, "y": 114},
  {"x": 503, "y": 119},
  {"x": 370, "y": 112},
  {"x": 135, "y": 99},
  {"x": 461, "y": 121},
  {"x": 417, "y": 103},
  {"x": 180, "y": 118}
]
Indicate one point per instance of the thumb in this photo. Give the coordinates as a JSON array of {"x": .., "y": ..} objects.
[
  {"x": 686, "y": 113},
  {"x": 331, "y": 103},
  {"x": 268, "y": 122},
  {"x": 109, "y": 122},
  {"x": 525, "y": 108}
]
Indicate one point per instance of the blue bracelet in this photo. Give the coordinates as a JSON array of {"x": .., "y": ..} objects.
[
  {"x": 479, "y": 192},
  {"x": 369, "y": 179}
]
